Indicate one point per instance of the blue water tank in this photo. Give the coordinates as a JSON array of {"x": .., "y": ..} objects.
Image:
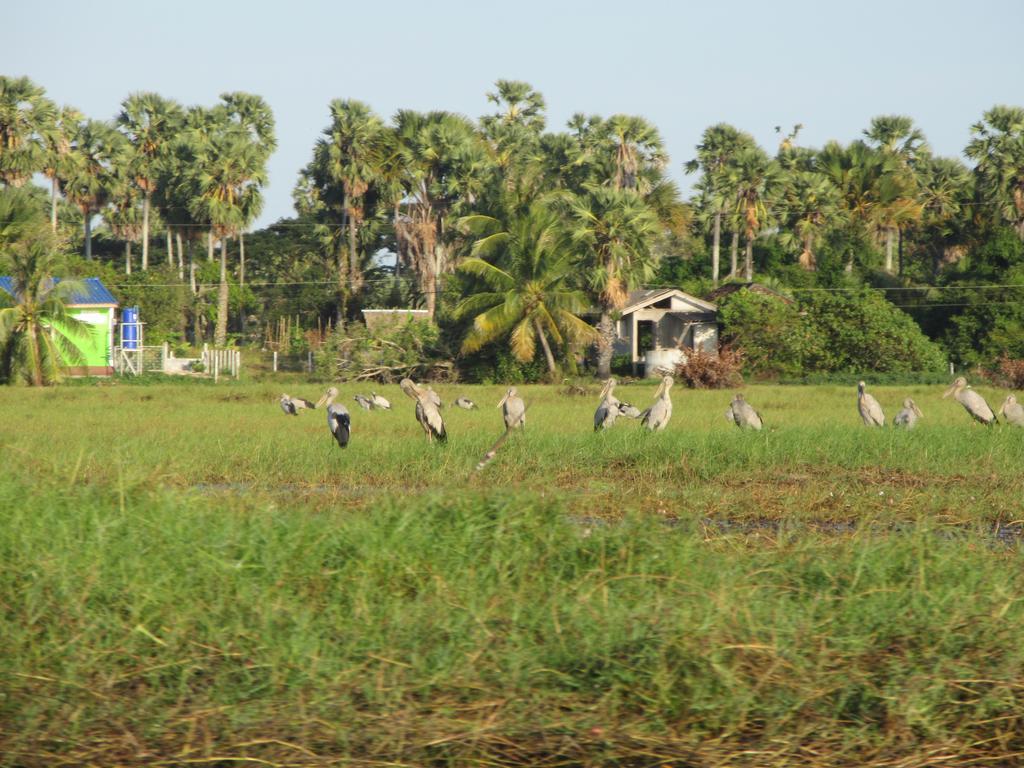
[{"x": 130, "y": 328}]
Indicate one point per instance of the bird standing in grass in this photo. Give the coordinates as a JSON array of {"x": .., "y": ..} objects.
[
  {"x": 742, "y": 414},
  {"x": 608, "y": 409},
  {"x": 338, "y": 420},
  {"x": 427, "y": 412},
  {"x": 433, "y": 397},
  {"x": 513, "y": 409},
  {"x": 629, "y": 411},
  {"x": 870, "y": 411},
  {"x": 292, "y": 405},
  {"x": 1012, "y": 411},
  {"x": 380, "y": 402},
  {"x": 908, "y": 416},
  {"x": 364, "y": 402},
  {"x": 972, "y": 402},
  {"x": 465, "y": 402},
  {"x": 656, "y": 417}
]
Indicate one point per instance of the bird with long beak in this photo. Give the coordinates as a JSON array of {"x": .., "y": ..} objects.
[
  {"x": 656, "y": 417},
  {"x": 427, "y": 413},
  {"x": 513, "y": 409},
  {"x": 1012, "y": 411},
  {"x": 338, "y": 420},
  {"x": 608, "y": 408},
  {"x": 292, "y": 405},
  {"x": 379, "y": 401},
  {"x": 869, "y": 409},
  {"x": 908, "y": 416},
  {"x": 972, "y": 402},
  {"x": 742, "y": 414}
]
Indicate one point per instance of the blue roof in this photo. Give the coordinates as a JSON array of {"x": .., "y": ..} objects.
[{"x": 95, "y": 292}]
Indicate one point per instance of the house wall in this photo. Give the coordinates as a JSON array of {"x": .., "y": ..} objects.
[
  {"x": 705, "y": 337},
  {"x": 95, "y": 346}
]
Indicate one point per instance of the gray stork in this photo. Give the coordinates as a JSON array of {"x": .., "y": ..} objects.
[
  {"x": 656, "y": 417},
  {"x": 870, "y": 410},
  {"x": 742, "y": 414},
  {"x": 338, "y": 420},
  {"x": 380, "y": 402},
  {"x": 427, "y": 413},
  {"x": 364, "y": 402},
  {"x": 292, "y": 405},
  {"x": 465, "y": 402},
  {"x": 608, "y": 409},
  {"x": 972, "y": 402},
  {"x": 629, "y": 411},
  {"x": 513, "y": 409},
  {"x": 1012, "y": 411},
  {"x": 908, "y": 416}
]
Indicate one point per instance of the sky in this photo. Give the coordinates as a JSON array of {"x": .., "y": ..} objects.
[{"x": 682, "y": 65}]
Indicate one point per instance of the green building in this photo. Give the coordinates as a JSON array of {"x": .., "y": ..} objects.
[{"x": 97, "y": 307}]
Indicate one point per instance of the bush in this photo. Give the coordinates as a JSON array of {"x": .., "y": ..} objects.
[
  {"x": 825, "y": 332},
  {"x": 411, "y": 349},
  {"x": 1010, "y": 373},
  {"x": 775, "y": 338},
  {"x": 704, "y": 370},
  {"x": 861, "y": 331}
]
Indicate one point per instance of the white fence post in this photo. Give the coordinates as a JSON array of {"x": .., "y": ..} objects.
[{"x": 275, "y": 361}]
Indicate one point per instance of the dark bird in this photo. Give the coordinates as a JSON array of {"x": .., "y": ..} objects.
[
  {"x": 338, "y": 420},
  {"x": 292, "y": 405}
]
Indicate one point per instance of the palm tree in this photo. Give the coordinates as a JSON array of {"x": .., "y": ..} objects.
[
  {"x": 614, "y": 230},
  {"x": 57, "y": 137},
  {"x": 754, "y": 178},
  {"x": 150, "y": 122},
  {"x": 226, "y": 195},
  {"x": 36, "y": 330},
  {"x": 251, "y": 114},
  {"x": 25, "y": 113},
  {"x": 513, "y": 136},
  {"x": 855, "y": 170},
  {"x": 21, "y": 217},
  {"x": 526, "y": 271},
  {"x": 349, "y": 155},
  {"x": 125, "y": 216},
  {"x": 812, "y": 204},
  {"x": 89, "y": 170},
  {"x": 997, "y": 149},
  {"x": 715, "y": 154},
  {"x": 445, "y": 166},
  {"x": 904, "y": 146}
]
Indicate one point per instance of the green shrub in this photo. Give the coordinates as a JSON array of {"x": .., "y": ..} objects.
[
  {"x": 826, "y": 332},
  {"x": 861, "y": 331},
  {"x": 775, "y": 338}
]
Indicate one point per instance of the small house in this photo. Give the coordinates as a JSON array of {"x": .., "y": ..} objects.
[
  {"x": 657, "y": 327},
  {"x": 95, "y": 306}
]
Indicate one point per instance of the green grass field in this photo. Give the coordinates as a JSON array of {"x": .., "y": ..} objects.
[{"x": 188, "y": 576}]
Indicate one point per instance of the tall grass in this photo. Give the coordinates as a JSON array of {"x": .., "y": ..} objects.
[{"x": 190, "y": 577}]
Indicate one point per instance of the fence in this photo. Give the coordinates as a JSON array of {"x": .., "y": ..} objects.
[
  {"x": 214, "y": 362},
  {"x": 222, "y": 362},
  {"x": 135, "y": 362},
  {"x": 295, "y": 362}
]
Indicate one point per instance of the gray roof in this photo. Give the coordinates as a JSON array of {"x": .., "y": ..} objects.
[
  {"x": 640, "y": 299},
  {"x": 94, "y": 293}
]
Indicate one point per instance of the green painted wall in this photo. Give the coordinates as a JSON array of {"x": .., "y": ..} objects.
[{"x": 95, "y": 347}]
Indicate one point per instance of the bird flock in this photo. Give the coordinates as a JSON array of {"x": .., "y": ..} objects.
[{"x": 655, "y": 418}]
